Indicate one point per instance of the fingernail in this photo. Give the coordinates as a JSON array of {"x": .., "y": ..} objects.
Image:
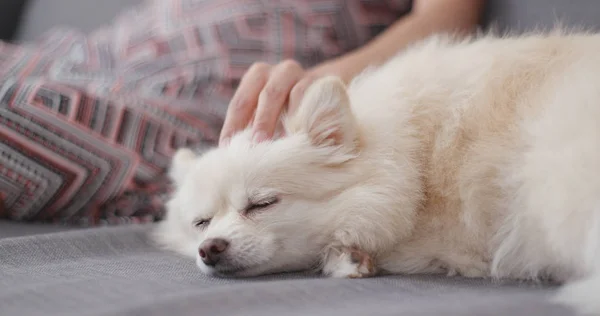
[{"x": 259, "y": 137}]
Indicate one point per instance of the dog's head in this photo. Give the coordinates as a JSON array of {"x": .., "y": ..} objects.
[{"x": 249, "y": 209}]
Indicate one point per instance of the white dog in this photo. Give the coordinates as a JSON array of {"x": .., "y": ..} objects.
[{"x": 479, "y": 158}]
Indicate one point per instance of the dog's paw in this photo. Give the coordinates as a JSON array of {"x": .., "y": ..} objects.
[{"x": 349, "y": 263}]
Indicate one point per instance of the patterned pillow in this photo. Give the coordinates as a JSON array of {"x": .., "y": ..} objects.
[{"x": 89, "y": 122}]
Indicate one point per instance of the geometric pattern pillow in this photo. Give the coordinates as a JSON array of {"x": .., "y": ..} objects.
[{"x": 88, "y": 123}]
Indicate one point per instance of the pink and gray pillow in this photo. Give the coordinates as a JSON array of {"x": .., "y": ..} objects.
[{"x": 88, "y": 122}]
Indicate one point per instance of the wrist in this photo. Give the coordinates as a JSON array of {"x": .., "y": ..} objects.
[{"x": 345, "y": 67}]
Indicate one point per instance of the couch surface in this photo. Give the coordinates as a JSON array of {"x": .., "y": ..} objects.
[
  {"x": 10, "y": 229},
  {"x": 85, "y": 15},
  {"x": 116, "y": 271},
  {"x": 48, "y": 270},
  {"x": 517, "y": 15},
  {"x": 525, "y": 15}
]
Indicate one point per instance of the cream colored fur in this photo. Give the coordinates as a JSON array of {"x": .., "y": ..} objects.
[{"x": 479, "y": 158}]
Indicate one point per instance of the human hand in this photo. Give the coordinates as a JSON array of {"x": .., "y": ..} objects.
[
  {"x": 264, "y": 93},
  {"x": 267, "y": 90}
]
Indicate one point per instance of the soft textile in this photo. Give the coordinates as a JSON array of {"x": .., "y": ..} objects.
[
  {"x": 115, "y": 271},
  {"x": 88, "y": 123}
]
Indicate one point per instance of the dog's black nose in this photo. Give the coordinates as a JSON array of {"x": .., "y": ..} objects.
[{"x": 211, "y": 250}]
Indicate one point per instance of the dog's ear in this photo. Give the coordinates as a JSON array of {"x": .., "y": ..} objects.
[
  {"x": 181, "y": 164},
  {"x": 325, "y": 115}
]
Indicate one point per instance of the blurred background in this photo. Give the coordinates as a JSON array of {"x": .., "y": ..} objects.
[{"x": 23, "y": 20}]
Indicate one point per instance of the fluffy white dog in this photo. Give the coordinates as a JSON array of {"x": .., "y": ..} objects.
[{"x": 479, "y": 158}]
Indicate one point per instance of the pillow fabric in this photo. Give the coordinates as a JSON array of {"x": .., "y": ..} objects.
[{"x": 89, "y": 122}]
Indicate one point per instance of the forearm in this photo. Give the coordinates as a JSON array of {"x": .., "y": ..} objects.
[{"x": 428, "y": 17}]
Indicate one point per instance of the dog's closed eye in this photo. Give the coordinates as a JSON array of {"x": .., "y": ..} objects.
[
  {"x": 202, "y": 223},
  {"x": 260, "y": 205}
]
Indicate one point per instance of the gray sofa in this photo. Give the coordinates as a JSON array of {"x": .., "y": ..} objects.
[
  {"x": 518, "y": 15},
  {"x": 48, "y": 270},
  {"x": 85, "y": 15}
]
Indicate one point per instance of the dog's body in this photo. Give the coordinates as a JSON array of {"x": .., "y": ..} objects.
[{"x": 479, "y": 158}]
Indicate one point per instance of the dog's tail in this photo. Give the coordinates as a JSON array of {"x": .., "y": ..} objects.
[{"x": 582, "y": 295}]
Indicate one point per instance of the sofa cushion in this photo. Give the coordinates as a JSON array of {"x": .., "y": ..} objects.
[
  {"x": 525, "y": 15},
  {"x": 11, "y": 12}
]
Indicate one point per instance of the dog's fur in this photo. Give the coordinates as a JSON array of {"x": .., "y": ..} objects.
[{"x": 479, "y": 158}]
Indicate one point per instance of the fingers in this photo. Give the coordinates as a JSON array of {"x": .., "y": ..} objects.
[
  {"x": 261, "y": 98},
  {"x": 244, "y": 102},
  {"x": 273, "y": 98}
]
